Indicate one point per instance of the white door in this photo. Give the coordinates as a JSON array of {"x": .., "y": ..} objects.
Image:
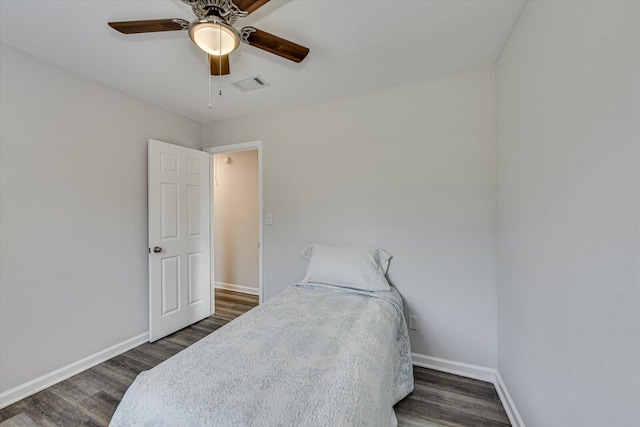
[{"x": 179, "y": 261}]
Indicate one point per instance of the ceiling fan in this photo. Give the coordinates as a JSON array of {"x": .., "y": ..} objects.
[{"x": 213, "y": 31}]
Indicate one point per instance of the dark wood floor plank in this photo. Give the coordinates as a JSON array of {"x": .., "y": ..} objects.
[
  {"x": 471, "y": 405},
  {"x": 204, "y": 328},
  {"x": 144, "y": 358},
  {"x": 408, "y": 421},
  {"x": 91, "y": 397},
  {"x": 20, "y": 420},
  {"x": 196, "y": 333},
  {"x": 160, "y": 350},
  {"x": 22, "y": 407},
  {"x": 85, "y": 382},
  {"x": 452, "y": 377},
  {"x": 182, "y": 340},
  {"x": 100, "y": 407},
  {"x": 232, "y": 300},
  {"x": 71, "y": 418},
  {"x": 444, "y": 415},
  {"x": 186, "y": 337},
  {"x": 226, "y": 302},
  {"x": 47, "y": 402},
  {"x": 128, "y": 364},
  {"x": 106, "y": 380},
  {"x": 124, "y": 373},
  {"x": 230, "y": 305},
  {"x": 211, "y": 323},
  {"x": 454, "y": 383},
  {"x": 69, "y": 391},
  {"x": 162, "y": 346}
]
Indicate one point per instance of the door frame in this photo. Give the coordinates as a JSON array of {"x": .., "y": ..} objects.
[{"x": 242, "y": 146}]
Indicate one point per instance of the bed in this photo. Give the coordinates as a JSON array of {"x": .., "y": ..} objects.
[{"x": 314, "y": 355}]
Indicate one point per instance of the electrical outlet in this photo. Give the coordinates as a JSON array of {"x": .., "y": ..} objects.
[{"x": 413, "y": 322}]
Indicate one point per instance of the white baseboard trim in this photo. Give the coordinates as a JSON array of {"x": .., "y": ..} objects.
[
  {"x": 237, "y": 288},
  {"x": 47, "y": 380},
  {"x": 507, "y": 402},
  {"x": 457, "y": 368}
]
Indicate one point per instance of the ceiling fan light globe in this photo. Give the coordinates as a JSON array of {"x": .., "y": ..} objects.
[{"x": 215, "y": 38}]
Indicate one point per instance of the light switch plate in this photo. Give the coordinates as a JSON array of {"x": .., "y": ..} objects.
[{"x": 269, "y": 218}]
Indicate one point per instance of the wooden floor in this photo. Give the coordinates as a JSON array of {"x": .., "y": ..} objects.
[
  {"x": 91, "y": 397},
  {"x": 441, "y": 399},
  {"x": 230, "y": 305}
]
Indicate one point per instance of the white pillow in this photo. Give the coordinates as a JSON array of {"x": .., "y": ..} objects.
[{"x": 347, "y": 266}]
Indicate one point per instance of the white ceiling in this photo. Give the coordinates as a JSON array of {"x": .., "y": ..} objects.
[{"x": 355, "y": 46}]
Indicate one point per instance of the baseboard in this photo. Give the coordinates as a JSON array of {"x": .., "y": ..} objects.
[
  {"x": 457, "y": 368},
  {"x": 507, "y": 402},
  {"x": 47, "y": 380},
  {"x": 237, "y": 288}
]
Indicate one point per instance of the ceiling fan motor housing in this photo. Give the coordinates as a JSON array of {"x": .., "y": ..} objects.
[{"x": 223, "y": 9}]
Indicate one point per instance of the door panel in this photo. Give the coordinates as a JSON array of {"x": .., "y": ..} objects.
[
  {"x": 179, "y": 273},
  {"x": 195, "y": 278},
  {"x": 194, "y": 214},
  {"x": 170, "y": 285},
  {"x": 169, "y": 195}
]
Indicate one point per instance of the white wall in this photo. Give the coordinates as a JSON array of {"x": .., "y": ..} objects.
[
  {"x": 568, "y": 96},
  {"x": 235, "y": 213},
  {"x": 408, "y": 168},
  {"x": 73, "y": 226}
]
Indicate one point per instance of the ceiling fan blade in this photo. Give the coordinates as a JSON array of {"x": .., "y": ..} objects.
[
  {"x": 273, "y": 44},
  {"x": 249, "y": 5},
  {"x": 150, "y": 26},
  {"x": 219, "y": 65}
]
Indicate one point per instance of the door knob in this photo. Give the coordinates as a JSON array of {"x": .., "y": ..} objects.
[{"x": 157, "y": 249}]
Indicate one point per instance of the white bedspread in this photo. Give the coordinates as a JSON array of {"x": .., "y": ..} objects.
[{"x": 311, "y": 356}]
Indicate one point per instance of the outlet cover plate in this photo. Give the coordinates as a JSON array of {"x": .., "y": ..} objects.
[{"x": 413, "y": 322}]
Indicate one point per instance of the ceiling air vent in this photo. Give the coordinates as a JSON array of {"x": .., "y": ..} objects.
[{"x": 252, "y": 83}]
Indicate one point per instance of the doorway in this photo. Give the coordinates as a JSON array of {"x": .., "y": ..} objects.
[{"x": 236, "y": 225}]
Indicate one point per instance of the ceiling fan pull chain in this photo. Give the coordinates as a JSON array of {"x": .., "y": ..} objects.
[
  {"x": 220, "y": 67},
  {"x": 209, "y": 105}
]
